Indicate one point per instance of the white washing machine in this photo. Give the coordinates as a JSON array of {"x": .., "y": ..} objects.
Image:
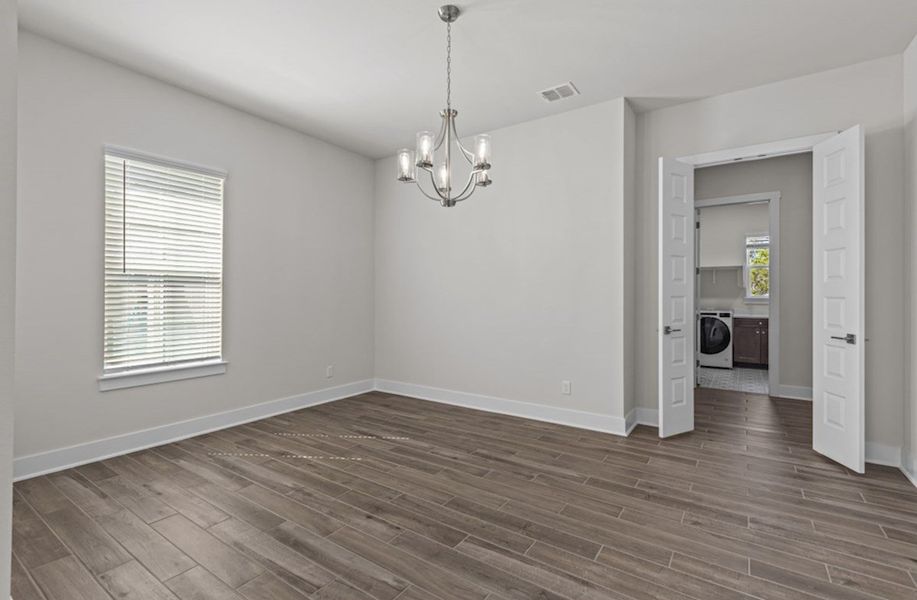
[{"x": 714, "y": 334}]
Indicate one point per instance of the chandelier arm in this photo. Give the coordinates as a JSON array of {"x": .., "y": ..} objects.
[
  {"x": 424, "y": 192},
  {"x": 442, "y": 197},
  {"x": 469, "y": 156},
  {"x": 441, "y": 136},
  {"x": 468, "y": 186},
  {"x": 466, "y": 196}
]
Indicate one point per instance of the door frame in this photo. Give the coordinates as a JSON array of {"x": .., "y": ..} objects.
[
  {"x": 773, "y": 213},
  {"x": 785, "y": 147},
  {"x": 799, "y": 145}
]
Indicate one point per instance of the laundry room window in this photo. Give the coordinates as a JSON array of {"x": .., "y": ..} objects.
[{"x": 757, "y": 268}]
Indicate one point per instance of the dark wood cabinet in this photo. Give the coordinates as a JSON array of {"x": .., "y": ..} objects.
[{"x": 749, "y": 341}]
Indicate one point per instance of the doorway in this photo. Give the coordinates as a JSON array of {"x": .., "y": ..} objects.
[
  {"x": 838, "y": 288},
  {"x": 737, "y": 257}
]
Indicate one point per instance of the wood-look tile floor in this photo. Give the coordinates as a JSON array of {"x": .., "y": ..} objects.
[{"x": 452, "y": 504}]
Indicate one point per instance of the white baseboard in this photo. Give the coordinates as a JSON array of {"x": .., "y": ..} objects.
[
  {"x": 794, "y": 392},
  {"x": 630, "y": 421},
  {"x": 882, "y": 454},
  {"x": 34, "y": 465},
  {"x": 42, "y": 463},
  {"x": 909, "y": 473},
  {"x": 647, "y": 416},
  {"x": 516, "y": 408}
]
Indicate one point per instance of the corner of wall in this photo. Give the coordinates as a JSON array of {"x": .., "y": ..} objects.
[
  {"x": 909, "y": 112},
  {"x": 8, "y": 194},
  {"x": 629, "y": 166},
  {"x": 374, "y": 197}
]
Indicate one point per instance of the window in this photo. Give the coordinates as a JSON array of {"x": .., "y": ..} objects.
[
  {"x": 757, "y": 267},
  {"x": 163, "y": 266}
]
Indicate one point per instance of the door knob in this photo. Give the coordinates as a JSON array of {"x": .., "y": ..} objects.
[
  {"x": 668, "y": 330},
  {"x": 849, "y": 338}
]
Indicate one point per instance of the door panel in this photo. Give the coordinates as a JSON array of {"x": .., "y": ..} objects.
[
  {"x": 838, "y": 302},
  {"x": 676, "y": 300}
]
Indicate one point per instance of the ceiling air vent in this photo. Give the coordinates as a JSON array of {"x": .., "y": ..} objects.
[{"x": 564, "y": 90}]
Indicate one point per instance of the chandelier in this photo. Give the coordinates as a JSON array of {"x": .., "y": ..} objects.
[{"x": 436, "y": 154}]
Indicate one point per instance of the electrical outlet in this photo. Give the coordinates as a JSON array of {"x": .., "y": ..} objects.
[
  {"x": 565, "y": 387},
  {"x": 329, "y": 371}
]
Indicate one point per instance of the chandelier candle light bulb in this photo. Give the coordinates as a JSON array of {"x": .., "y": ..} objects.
[
  {"x": 443, "y": 149},
  {"x": 442, "y": 179},
  {"x": 406, "y": 165},
  {"x": 482, "y": 151},
  {"x": 425, "y": 141}
]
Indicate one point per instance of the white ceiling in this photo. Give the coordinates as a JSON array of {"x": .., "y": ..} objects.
[{"x": 367, "y": 74}]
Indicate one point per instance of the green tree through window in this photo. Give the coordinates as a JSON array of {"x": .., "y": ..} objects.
[{"x": 757, "y": 267}]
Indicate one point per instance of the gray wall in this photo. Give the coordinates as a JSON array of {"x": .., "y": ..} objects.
[
  {"x": 8, "y": 52},
  {"x": 721, "y": 240},
  {"x": 792, "y": 177},
  {"x": 298, "y": 250},
  {"x": 869, "y": 94},
  {"x": 524, "y": 285},
  {"x": 910, "y": 116}
]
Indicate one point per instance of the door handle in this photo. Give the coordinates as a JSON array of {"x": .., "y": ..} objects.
[
  {"x": 849, "y": 338},
  {"x": 667, "y": 330}
]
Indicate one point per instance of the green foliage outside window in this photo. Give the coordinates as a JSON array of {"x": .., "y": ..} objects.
[
  {"x": 759, "y": 256},
  {"x": 759, "y": 281},
  {"x": 757, "y": 264}
]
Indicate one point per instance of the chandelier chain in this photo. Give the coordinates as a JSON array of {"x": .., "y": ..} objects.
[{"x": 449, "y": 66}]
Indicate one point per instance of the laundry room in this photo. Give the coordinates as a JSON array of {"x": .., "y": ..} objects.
[{"x": 754, "y": 276}]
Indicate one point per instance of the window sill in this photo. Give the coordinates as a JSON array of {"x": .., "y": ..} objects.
[
  {"x": 757, "y": 300},
  {"x": 129, "y": 379}
]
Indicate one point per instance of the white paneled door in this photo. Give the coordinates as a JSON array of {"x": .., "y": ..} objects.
[
  {"x": 676, "y": 288},
  {"x": 838, "y": 364}
]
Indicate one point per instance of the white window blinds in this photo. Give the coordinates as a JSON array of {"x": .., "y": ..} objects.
[{"x": 163, "y": 264}]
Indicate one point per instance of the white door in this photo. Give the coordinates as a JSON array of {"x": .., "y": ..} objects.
[
  {"x": 676, "y": 297},
  {"x": 838, "y": 411}
]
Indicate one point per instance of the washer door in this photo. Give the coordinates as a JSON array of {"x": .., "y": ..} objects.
[{"x": 714, "y": 336}]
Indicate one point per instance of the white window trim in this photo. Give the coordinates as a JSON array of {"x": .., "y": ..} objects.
[
  {"x": 130, "y": 154},
  {"x": 745, "y": 270},
  {"x": 166, "y": 373},
  {"x": 140, "y": 377}
]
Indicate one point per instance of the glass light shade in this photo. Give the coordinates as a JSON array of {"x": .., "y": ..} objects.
[
  {"x": 482, "y": 151},
  {"x": 425, "y": 142},
  {"x": 443, "y": 178},
  {"x": 483, "y": 179},
  {"x": 406, "y": 166}
]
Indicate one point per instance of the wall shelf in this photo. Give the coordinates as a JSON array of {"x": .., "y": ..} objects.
[{"x": 714, "y": 269}]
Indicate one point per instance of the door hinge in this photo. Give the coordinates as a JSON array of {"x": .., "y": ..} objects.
[
  {"x": 696, "y": 224},
  {"x": 697, "y": 270}
]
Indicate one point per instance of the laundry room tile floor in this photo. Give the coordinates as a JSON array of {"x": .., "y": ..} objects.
[{"x": 738, "y": 379}]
